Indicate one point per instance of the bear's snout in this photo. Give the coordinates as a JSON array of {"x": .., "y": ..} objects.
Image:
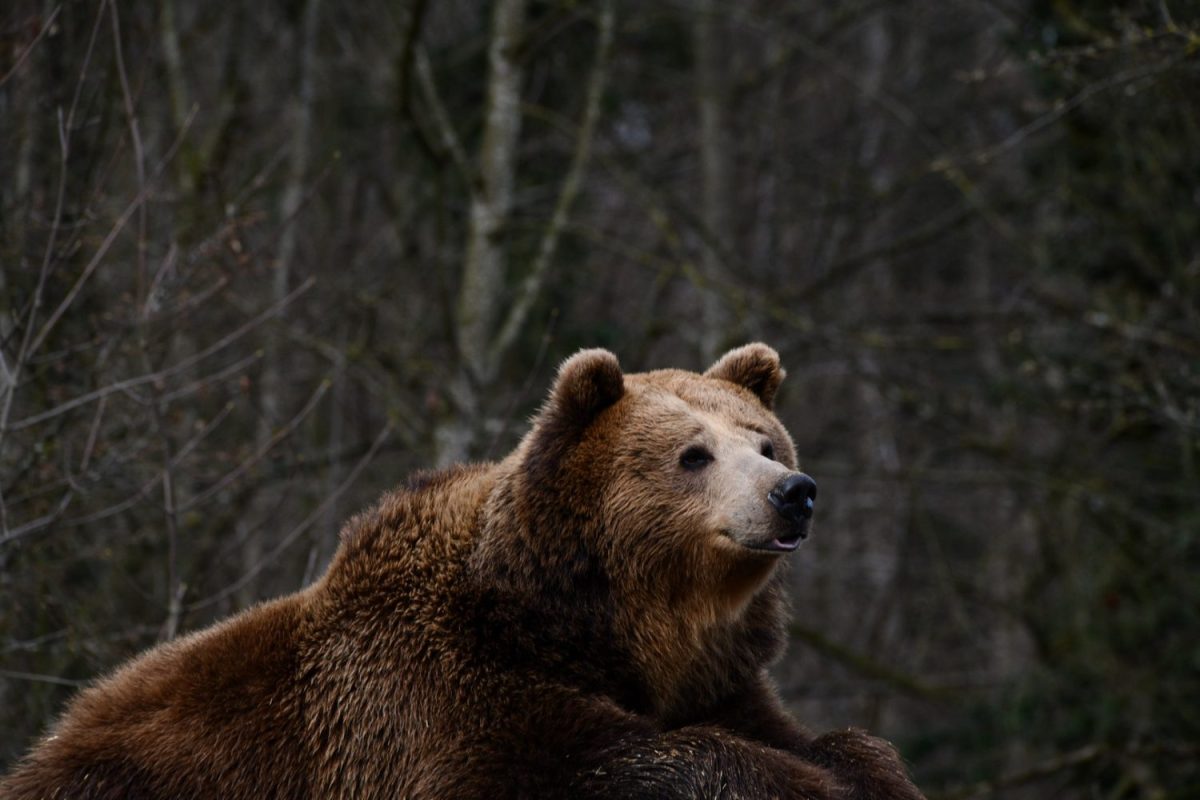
[{"x": 793, "y": 498}]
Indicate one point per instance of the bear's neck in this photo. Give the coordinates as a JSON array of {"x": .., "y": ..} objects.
[
  {"x": 693, "y": 649},
  {"x": 545, "y": 603},
  {"x": 561, "y": 609}
]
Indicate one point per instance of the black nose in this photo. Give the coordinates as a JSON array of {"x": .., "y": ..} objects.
[{"x": 793, "y": 497}]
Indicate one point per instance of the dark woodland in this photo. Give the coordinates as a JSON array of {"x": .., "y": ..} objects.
[{"x": 261, "y": 261}]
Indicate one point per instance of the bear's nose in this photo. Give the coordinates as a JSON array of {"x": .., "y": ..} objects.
[{"x": 793, "y": 497}]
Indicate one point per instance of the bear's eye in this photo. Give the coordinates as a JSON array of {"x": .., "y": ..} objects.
[
  {"x": 768, "y": 450},
  {"x": 695, "y": 457}
]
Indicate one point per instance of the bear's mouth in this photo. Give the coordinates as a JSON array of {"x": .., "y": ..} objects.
[
  {"x": 785, "y": 543},
  {"x": 779, "y": 544}
]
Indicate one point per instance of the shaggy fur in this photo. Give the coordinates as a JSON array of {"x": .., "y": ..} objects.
[{"x": 582, "y": 619}]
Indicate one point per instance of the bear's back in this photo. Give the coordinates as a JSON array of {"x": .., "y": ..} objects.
[
  {"x": 391, "y": 663},
  {"x": 187, "y": 719}
]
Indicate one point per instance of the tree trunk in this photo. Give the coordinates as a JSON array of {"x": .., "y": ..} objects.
[
  {"x": 484, "y": 270},
  {"x": 715, "y": 188}
]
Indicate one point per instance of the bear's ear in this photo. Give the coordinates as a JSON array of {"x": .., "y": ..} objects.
[
  {"x": 588, "y": 382},
  {"x": 755, "y": 367}
]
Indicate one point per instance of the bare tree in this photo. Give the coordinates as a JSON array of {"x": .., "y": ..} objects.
[
  {"x": 484, "y": 265},
  {"x": 271, "y": 380},
  {"x": 241, "y": 294},
  {"x": 490, "y": 317}
]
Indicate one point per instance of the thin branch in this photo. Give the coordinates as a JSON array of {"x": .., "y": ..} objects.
[
  {"x": 131, "y": 383},
  {"x": 173, "y": 61},
  {"x": 32, "y": 645},
  {"x": 261, "y": 451},
  {"x": 144, "y": 292},
  {"x": 149, "y": 299},
  {"x": 175, "y": 586},
  {"x": 661, "y": 215},
  {"x": 1042, "y": 770},
  {"x": 64, "y": 144},
  {"x": 445, "y": 128},
  {"x": 12, "y": 674},
  {"x": 210, "y": 379},
  {"x": 368, "y": 368},
  {"x": 47, "y": 25},
  {"x": 842, "y": 270},
  {"x": 408, "y": 44},
  {"x": 139, "y": 154},
  {"x": 146, "y": 487},
  {"x": 102, "y": 250},
  {"x": 1035, "y": 126},
  {"x": 90, "y": 447},
  {"x": 43, "y": 521},
  {"x": 835, "y": 62},
  {"x": 866, "y": 666},
  {"x": 206, "y": 429}
]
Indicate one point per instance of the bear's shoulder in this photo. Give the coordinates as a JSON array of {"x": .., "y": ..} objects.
[
  {"x": 429, "y": 508},
  {"x": 409, "y": 549}
]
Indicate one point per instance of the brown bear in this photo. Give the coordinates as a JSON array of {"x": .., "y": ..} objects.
[{"x": 590, "y": 617}]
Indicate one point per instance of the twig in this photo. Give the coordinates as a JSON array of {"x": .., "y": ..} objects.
[
  {"x": 139, "y": 155},
  {"x": 144, "y": 292},
  {"x": 102, "y": 250},
  {"x": 1043, "y": 769},
  {"x": 32, "y": 645},
  {"x": 836, "y": 64},
  {"x": 173, "y": 61},
  {"x": 49, "y": 23},
  {"x": 142, "y": 492},
  {"x": 404, "y": 62},
  {"x": 709, "y": 69},
  {"x": 671, "y": 219},
  {"x": 168, "y": 264},
  {"x": 22, "y": 531},
  {"x": 519, "y": 397},
  {"x": 988, "y": 154},
  {"x": 207, "y": 380},
  {"x": 130, "y": 383},
  {"x": 90, "y": 447},
  {"x": 175, "y": 586},
  {"x": 449, "y": 138},
  {"x": 38, "y": 678},
  {"x": 847, "y": 267},
  {"x": 295, "y": 533},
  {"x": 369, "y": 369}
]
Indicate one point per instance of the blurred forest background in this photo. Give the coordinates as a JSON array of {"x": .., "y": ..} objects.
[{"x": 258, "y": 261}]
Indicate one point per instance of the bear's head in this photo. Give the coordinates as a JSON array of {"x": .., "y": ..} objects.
[{"x": 661, "y": 503}]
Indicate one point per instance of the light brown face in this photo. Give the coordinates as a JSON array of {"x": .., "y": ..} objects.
[{"x": 716, "y": 468}]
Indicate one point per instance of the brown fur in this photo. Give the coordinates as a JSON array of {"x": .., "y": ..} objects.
[{"x": 582, "y": 619}]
